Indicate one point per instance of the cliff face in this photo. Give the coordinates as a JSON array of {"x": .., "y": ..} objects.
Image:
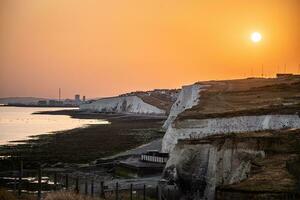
[
  {"x": 123, "y": 104},
  {"x": 198, "y": 168},
  {"x": 234, "y": 164},
  {"x": 198, "y": 128},
  {"x": 230, "y": 126},
  {"x": 157, "y": 102},
  {"x": 187, "y": 98},
  {"x": 233, "y": 106}
]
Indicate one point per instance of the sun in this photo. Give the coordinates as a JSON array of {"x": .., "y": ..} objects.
[{"x": 256, "y": 37}]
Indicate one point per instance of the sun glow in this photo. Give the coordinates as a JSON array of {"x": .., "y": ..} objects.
[{"x": 256, "y": 37}]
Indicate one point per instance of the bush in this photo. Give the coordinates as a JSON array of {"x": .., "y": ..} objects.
[
  {"x": 67, "y": 196},
  {"x": 5, "y": 195}
]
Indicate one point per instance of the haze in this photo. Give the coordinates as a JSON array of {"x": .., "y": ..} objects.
[{"x": 104, "y": 48}]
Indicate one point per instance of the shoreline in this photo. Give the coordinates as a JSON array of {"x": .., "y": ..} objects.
[
  {"x": 86, "y": 144},
  {"x": 38, "y": 106}
]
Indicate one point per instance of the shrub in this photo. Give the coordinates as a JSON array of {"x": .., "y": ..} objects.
[
  {"x": 63, "y": 195},
  {"x": 5, "y": 195}
]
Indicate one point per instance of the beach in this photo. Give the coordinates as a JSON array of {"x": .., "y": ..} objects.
[{"x": 85, "y": 144}]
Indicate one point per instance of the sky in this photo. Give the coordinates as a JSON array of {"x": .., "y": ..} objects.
[{"x": 103, "y": 48}]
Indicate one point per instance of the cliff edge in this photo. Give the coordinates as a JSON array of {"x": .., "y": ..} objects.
[{"x": 239, "y": 139}]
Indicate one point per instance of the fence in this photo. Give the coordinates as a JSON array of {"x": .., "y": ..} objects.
[{"x": 80, "y": 185}]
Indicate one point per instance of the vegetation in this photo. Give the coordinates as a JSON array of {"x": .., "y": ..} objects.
[
  {"x": 246, "y": 97},
  {"x": 63, "y": 195},
  {"x": 6, "y": 195}
]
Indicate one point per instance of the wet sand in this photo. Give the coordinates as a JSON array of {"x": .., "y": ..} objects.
[{"x": 82, "y": 145}]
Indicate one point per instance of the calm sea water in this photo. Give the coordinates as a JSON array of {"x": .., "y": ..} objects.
[{"x": 17, "y": 123}]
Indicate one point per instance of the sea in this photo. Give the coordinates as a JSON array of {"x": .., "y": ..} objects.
[{"x": 19, "y": 123}]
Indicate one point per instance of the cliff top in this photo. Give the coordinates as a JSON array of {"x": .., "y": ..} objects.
[
  {"x": 252, "y": 96},
  {"x": 161, "y": 99}
]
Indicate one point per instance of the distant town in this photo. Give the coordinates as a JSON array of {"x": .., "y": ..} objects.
[
  {"x": 43, "y": 102},
  {"x": 65, "y": 103}
]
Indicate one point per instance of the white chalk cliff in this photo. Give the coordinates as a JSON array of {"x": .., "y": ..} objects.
[
  {"x": 200, "y": 168},
  {"x": 197, "y": 167},
  {"x": 122, "y": 104},
  {"x": 198, "y": 128},
  {"x": 187, "y": 98}
]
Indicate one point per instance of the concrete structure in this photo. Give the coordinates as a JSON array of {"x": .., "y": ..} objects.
[
  {"x": 55, "y": 103},
  {"x": 287, "y": 75},
  {"x": 284, "y": 75},
  {"x": 155, "y": 157},
  {"x": 134, "y": 167},
  {"x": 77, "y": 98},
  {"x": 42, "y": 103}
]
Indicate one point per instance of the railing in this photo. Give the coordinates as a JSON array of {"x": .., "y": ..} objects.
[
  {"x": 155, "y": 159},
  {"x": 81, "y": 185}
]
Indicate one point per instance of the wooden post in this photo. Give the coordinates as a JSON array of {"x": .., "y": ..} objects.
[
  {"x": 77, "y": 185},
  {"x": 159, "y": 192},
  {"x": 102, "y": 194},
  {"x": 15, "y": 185},
  {"x": 131, "y": 188},
  {"x": 20, "y": 178},
  {"x": 117, "y": 191},
  {"x": 144, "y": 192},
  {"x": 67, "y": 181},
  {"x": 92, "y": 188},
  {"x": 39, "y": 183},
  {"x": 86, "y": 188},
  {"x": 55, "y": 181}
]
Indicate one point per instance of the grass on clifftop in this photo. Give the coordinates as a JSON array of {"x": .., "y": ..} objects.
[{"x": 246, "y": 97}]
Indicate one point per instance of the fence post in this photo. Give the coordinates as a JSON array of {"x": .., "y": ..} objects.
[
  {"x": 144, "y": 192},
  {"x": 159, "y": 192},
  {"x": 86, "y": 188},
  {"x": 117, "y": 191},
  {"x": 92, "y": 188},
  {"x": 55, "y": 181},
  {"x": 67, "y": 181},
  {"x": 20, "y": 178},
  {"x": 77, "y": 185},
  {"x": 102, "y": 194},
  {"x": 15, "y": 185},
  {"x": 39, "y": 183},
  {"x": 131, "y": 188}
]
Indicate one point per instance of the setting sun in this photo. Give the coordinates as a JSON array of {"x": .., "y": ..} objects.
[{"x": 256, "y": 37}]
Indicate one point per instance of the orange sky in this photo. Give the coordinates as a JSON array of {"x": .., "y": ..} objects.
[{"x": 107, "y": 47}]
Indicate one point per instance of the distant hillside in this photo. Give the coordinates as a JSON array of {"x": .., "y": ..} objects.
[
  {"x": 149, "y": 102},
  {"x": 161, "y": 98},
  {"x": 20, "y": 100}
]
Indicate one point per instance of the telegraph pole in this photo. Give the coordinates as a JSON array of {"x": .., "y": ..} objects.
[
  {"x": 59, "y": 94},
  {"x": 284, "y": 68}
]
